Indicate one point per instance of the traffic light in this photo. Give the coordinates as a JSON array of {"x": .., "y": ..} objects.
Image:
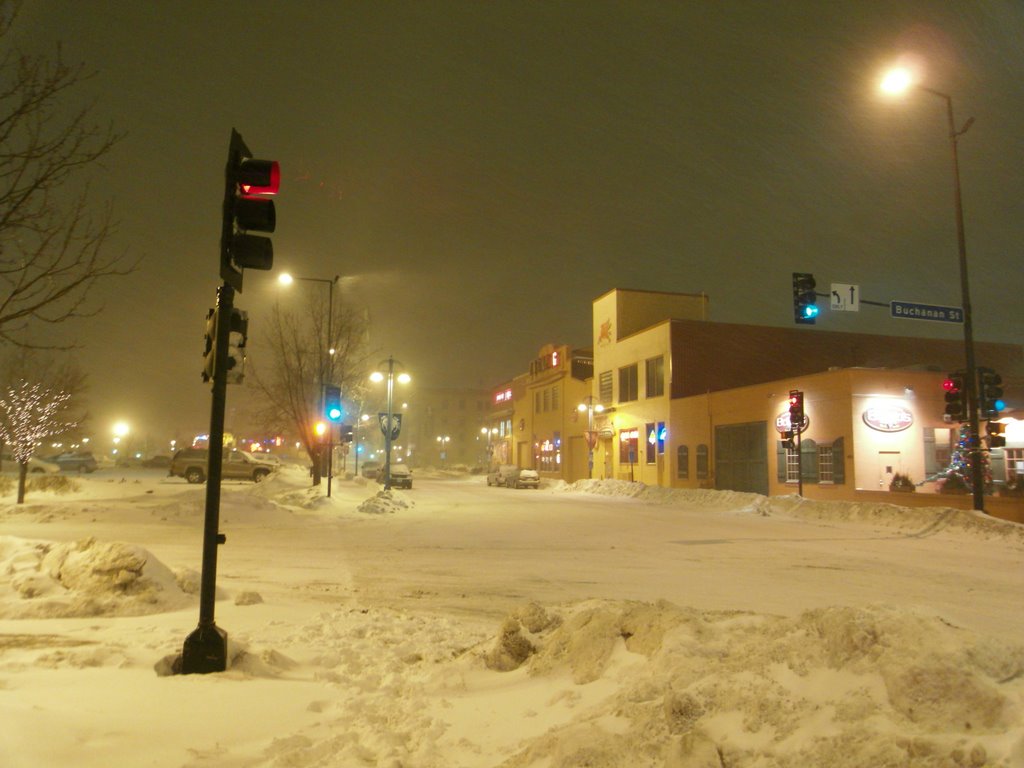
[
  {"x": 787, "y": 440},
  {"x": 996, "y": 439},
  {"x": 239, "y": 335},
  {"x": 332, "y": 404},
  {"x": 805, "y": 300},
  {"x": 247, "y": 183},
  {"x": 990, "y": 393},
  {"x": 210, "y": 351},
  {"x": 956, "y": 396},
  {"x": 796, "y": 410},
  {"x": 347, "y": 431}
]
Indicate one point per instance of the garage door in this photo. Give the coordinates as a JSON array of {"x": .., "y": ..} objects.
[{"x": 741, "y": 457}]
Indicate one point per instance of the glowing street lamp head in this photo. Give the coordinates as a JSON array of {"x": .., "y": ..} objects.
[
  {"x": 285, "y": 279},
  {"x": 376, "y": 377},
  {"x": 404, "y": 378},
  {"x": 897, "y": 80},
  {"x": 121, "y": 429}
]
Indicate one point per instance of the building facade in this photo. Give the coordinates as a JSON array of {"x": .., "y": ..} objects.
[{"x": 694, "y": 404}]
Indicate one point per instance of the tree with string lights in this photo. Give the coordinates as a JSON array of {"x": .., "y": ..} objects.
[{"x": 29, "y": 413}]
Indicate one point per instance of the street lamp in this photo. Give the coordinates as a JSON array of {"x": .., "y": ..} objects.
[
  {"x": 898, "y": 81},
  {"x": 443, "y": 441},
  {"x": 591, "y": 408},
  {"x": 388, "y": 426},
  {"x": 490, "y": 433},
  {"x": 286, "y": 279}
]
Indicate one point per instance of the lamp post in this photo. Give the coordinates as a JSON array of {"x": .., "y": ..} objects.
[
  {"x": 490, "y": 433},
  {"x": 443, "y": 441},
  {"x": 897, "y": 81},
  {"x": 387, "y": 426},
  {"x": 287, "y": 279},
  {"x": 591, "y": 408}
]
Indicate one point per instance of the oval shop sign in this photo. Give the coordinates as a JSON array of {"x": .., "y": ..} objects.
[{"x": 888, "y": 418}]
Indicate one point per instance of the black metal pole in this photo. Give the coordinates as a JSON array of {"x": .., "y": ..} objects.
[
  {"x": 205, "y": 650},
  {"x": 387, "y": 432},
  {"x": 971, "y": 379}
]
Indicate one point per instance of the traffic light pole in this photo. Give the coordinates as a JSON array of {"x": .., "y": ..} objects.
[
  {"x": 977, "y": 471},
  {"x": 205, "y": 650}
]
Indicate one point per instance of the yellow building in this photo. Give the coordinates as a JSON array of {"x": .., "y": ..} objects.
[{"x": 693, "y": 404}]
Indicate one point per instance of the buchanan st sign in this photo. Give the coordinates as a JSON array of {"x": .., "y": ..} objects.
[{"x": 909, "y": 310}]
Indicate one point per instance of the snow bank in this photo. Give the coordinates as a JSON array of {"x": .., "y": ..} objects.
[
  {"x": 385, "y": 502},
  {"x": 923, "y": 520},
  {"x": 40, "y": 579},
  {"x": 833, "y": 687}
]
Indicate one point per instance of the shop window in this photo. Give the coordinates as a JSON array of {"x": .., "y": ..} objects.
[
  {"x": 702, "y": 462},
  {"x": 536, "y": 402},
  {"x": 628, "y": 386},
  {"x": 683, "y": 462},
  {"x": 792, "y": 465},
  {"x": 1014, "y": 463},
  {"x": 549, "y": 458},
  {"x": 628, "y": 443},
  {"x": 547, "y": 400},
  {"x": 651, "y": 439},
  {"x": 554, "y": 398},
  {"x": 825, "y": 464},
  {"x": 654, "y": 375},
  {"x": 604, "y": 387}
]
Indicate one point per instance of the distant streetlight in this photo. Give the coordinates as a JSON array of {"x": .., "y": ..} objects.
[
  {"x": 443, "y": 441},
  {"x": 325, "y": 375},
  {"x": 591, "y": 408},
  {"x": 388, "y": 427},
  {"x": 898, "y": 81},
  {"x": 489, "y": 433}
]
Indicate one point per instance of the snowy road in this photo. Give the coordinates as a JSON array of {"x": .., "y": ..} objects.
[
  {"x": 479, "y": 550},
  {"x": 386, "y": 630}
]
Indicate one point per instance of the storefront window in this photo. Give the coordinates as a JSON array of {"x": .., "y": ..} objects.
[
  {"x": 1014, "y": 463},
  {"x": 792, "y": 465},
  {"x": 652, "y": 443},
  {"x": 628, "y": 443},
  {"x": 825, "y": 474},
  {"x": 549, "y": 457},
  {"x": 683, "y": 462}
]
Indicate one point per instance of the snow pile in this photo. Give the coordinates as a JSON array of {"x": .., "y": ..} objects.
[
  {"x": 383, "y": 503},
  {"x": 85, "y": 578},
  {"x": 923, "y": 520},
  {"x": 838, "y": 687}
]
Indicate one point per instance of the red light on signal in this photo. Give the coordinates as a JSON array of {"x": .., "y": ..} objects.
[
  {"x": 259, "y": 177},
  {"x": 951, "y": 386}
]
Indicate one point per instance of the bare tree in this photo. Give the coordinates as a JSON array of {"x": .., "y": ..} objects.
[
  {"x": 299, "y": 365},
  {"x": 52, "y": 247}
]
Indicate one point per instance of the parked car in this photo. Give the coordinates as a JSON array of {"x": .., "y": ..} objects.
[
  {"x": 191, "y": 464},
  {"x": 157, "y": 462},
  {"x": 511, "y": 476},
  {"x": 75, "y": 462},
  {"x": 524, "y": 478},
  {"x": 35, "y": 465},
  {"x": 369, "y": 469},
  {"x": 401, "y": 476}
]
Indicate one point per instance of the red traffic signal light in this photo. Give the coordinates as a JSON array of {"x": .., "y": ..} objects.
[
  {"x": 956, "y": 396},
  {"x": 247, "y": 183}
]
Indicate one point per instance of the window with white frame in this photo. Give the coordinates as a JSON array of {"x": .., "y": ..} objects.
[{"x": 825, "y": 467}]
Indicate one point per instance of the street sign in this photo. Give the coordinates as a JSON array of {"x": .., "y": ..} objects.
[
  {"x": 396, "y": 424},
  {"x": 909, "y": 310},
  {"x": 845, "y": 297}
]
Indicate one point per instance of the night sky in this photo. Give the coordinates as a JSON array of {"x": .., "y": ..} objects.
[{"x": 483, "y": 171}]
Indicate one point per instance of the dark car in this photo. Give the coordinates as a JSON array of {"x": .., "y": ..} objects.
[
  {"x": 401, "y": 476},
  {"x": 157, "y": 462},
  {"x": 75, "y": 462},
  {"x": 190, "y": 463}
]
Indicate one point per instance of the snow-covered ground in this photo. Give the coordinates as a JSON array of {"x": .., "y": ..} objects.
[{"x": 602, "y": 624}]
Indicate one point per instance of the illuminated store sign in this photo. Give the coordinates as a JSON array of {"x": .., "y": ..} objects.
[
  {"x": 888, "y": 418},
  {"x": 503, "y": 397},
  {"x": 782, "y": 423}
]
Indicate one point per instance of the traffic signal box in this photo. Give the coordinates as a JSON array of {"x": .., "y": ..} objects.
[
  {"x": 994, "y": 432},
  {"x": 332, "y": 404},
  {"x": 796, "y": 410},
  {"x": 805, "y": 298},
  {"x": 248, "y": 183},
  {"x": 990, "y": 393},
  {"x": 956, "y": 396}
]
